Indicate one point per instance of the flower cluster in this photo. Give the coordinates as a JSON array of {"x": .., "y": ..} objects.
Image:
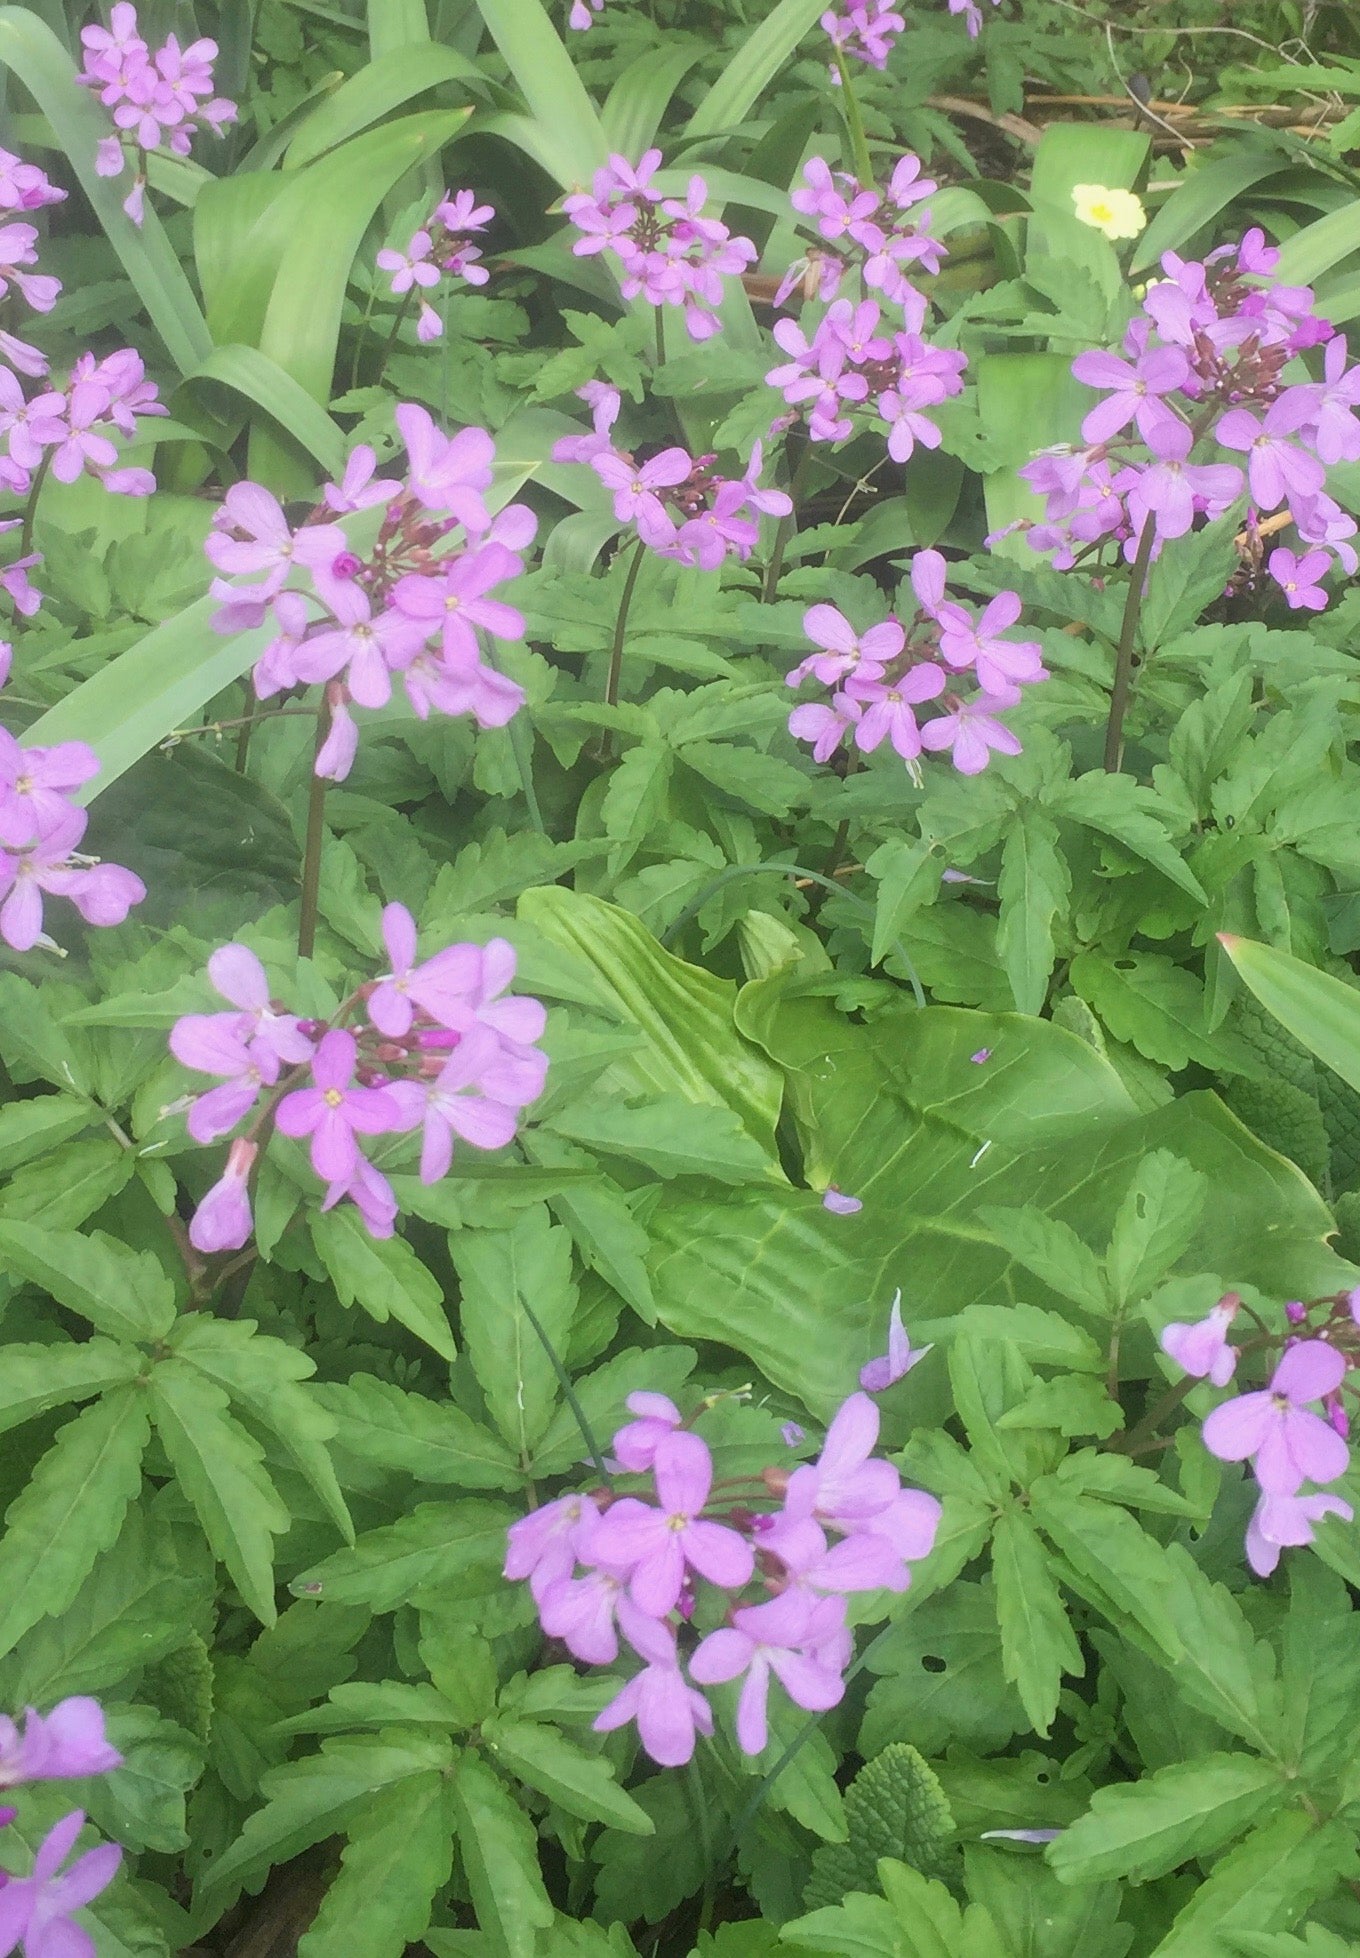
[
  {"x": 680, "y": 506},
  {"x": 851, "y": 361},
  {"x": 1197, "y": 412},
  {"x": 41, "y": 830},
  {"x": 69, "y": 429},
  {"x": 874, "y": 230},
  {"x": 441, "y": 249},
  {"x": 435, "y": 1046},
  {"x": 65, "y": 1745},
  {"x": 865, "y": 30},
  {"x": 701, "y": 1582},
  {"x": 411, "y": 608},
  {"x": 165, "y": 97},
  {"x": 883, "y": 675},
  {"x": 668, "y": 251},
  {"x": 1277, "y": 1428}
]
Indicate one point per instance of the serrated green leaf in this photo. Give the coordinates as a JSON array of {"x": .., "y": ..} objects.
[
  {"x": 670, "y": 1135},
  {"x": 1146, "y": 1828},
  {"x": 498, "y": 1271},
  {"x": 942, "y": 1679},
  {"x": 436, "y": 1543},
  {"x": 1038, "y": 1644},
  {"x": 499, "y": 1847},
  {"x": 1110, "y": 1560},
  {"x": 1052, "y": 1250},
  {"x": 581, "y": 1783},
  {"x": 122, "y": 1292},
  {"x": 1116, "y": 806},
  {"x": 71, "y": 1508},
  {"x": 397, "y": 1859},
  {"x": 908, "y": 877},
  {"x": 1264, "y": 1884},
  {"x": 35, "y": 1378},
  {"x": 1155, "y": 1005},
  {"x": 1033, "y": 890},
  {"x": 1154, "y": 1223},
  {"x": 35, "y": 1127},
  {"x": 434, "y": 1441},
  {"x": 219, "y": 1467},
  {"x": 383, "y": 1275}
]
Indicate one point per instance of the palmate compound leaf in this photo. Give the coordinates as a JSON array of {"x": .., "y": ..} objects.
[
  {"x": 1143, "y": 1829},
  {"x": 894, "y": 1807},
  {"x": 71, "y": 1508},
  {"x": 901, "y": 1115}
]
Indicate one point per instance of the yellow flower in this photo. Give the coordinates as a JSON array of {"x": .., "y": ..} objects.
[{"x": 1117, "y": 213}]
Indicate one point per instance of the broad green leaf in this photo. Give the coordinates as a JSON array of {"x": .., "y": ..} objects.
[
  {"x": 1204, "y": 192},
  {"x": 389, "y": 81},
  {"x": 266, "y": 385},
  {"x": 581, "y": 1783},
  {"x": 220, "y": 1469},
  {"x": 1037, "y": 1916},
  {"x": 499, "y": 1848},
  {"x": 1317, "y": 247},
  {"x": 1037, "y": 1643},
  {"x": 942, "y": 1679},
  {"x": 670, "y": 1135},
  {"x": 1265, "y": 1884},
  {"x": 607, "y": 1236},
  {"x": 141, "y": 1804},
  {"x": 571, "y": 141},
  {"x": 397, "y": 1859},
  {"x": 383, "y": 1275},
  {"x": 434, "y": 1441},
  {"x": 637, "y": 101},
  {"x": 1116, "y": 806},
  {"x": 1146, "y": 1828},
  {"x": 265, "y": 1376},
  {"x": 124, "y": 1293},
  {"x": 33, "y": 1128},
  {"x": 498, "y": 1273},
  {"x": 35, "y": 1379},
  {"x": 1154, "y": 1224},
  {"x": 745, "y": 78},
  {"x": 690, "y": 1045},
  {"x": 1033, "y": 890},
  {"x": 71, "y": 1508},
  {"x": 34, "y": 54},
  {"x": 1320, "y": 1011},
  {"x": 900, "y": 1115},
  {"x": 59, "y": 1192},
  {"x": 436, "y": 1543},
  {"x": 319, "y": 1796}
]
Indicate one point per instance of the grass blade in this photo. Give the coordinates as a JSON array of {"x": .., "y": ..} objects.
[
  {"x": 753, "y": 67},
  {"x": 571, "y": 138}
]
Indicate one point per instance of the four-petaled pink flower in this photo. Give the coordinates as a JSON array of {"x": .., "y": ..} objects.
[
  {"x": 62, "y": 1745},
  {"x": 657, "y": 1545},
  {"x": 1274, "y": 1429},
  {"x": 334, "y": 1111},
  {"x": 780, "y": 1638},
  {"x": 1286, "y": 1522},
  {"x": 668, "y": 1711},
  {"x": 35, "y": 1910}
]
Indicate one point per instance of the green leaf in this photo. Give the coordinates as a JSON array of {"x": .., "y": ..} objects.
[
  {"x": 1037, "y": 1643},
  {"x": 1033, "y": 889},
  {"x": 1222, "y": 1668},
  {"x": 1052, "y": 1250},
  {"x": 571, "y": 141},
  {"x": 1320, "y": 1676},
  {"x": 35, "y": 1378},
  {"x": 319, "y": 1796},
  {"x": 1110, "y": 1560},
  {"x": 383, "y": 1275},
  {"x": 1116, "y": 806},
  {"x": 266, "y": 385},
  {"x": 436, "y": 1543},
  {"x": 389, "y": 81},
  {"x": 908, "y": 877},
  {"x": 1152, "y": 1003},
  {"x": 1265, "y": 1884},
  {"x": 71, "y": 1508},
  {"x": 1071, "y": 1405},
  {"x": 894, "y": 1807},
  {"x": 1321, "y": 1012},
  {"x": 1147, "y": 1828},
  {"x": 397, "y": 1860},
  {"x": 434, "y": 1441},
  {"x": 748, "y": 74},
  {"x": 264, "y": 1375},
  {"x": 670, "y": 1135},
  {"x": 33, "y": 53},
  {"x": 581, "y": 1783},
  {"x": 220, "y": 1469},
  {"x": 499, "y": 1847},
  {"x": 33, "y": 1128},
  {"x": 942, "y": 1677},
  {"x": 761, "y": 781},
  {"x": 122, "y": 1292},
  {"x": 498, "y": 1271},
  {"x": 1154, "y": 1224},
  {"x": 141, "y": 1804}
]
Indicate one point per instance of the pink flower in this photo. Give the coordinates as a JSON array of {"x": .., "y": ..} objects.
[
  {"x": 543, "y": 1546},
  {"x": 656, "y": 1545},
  {"x": 1299, "y": 577},
  {"x": 210, "y": 1044},
  {"x": 844, "y": 1489},
  {"x": 411, "y": 267},
  {"x": 843, "y": 650},
  {"x": 239, "y": 977},
  {"x": 1202, "y": 1350},
  {"x": 222, "y": 1221},
  {"x": 887, "y": 714},
  {"x": 876, "y": 1376},
  {"x": 1283, "y": 1522},
  {"x": 333, "y": 1112},
  {"x": 1136, "y": 390},
  {"x": 668, "y": 1711},
  {"x": 60, "y": 1746},
  {"x": 452, "y": 1105},
  {"x": 453, "y": 602},
  {"x": 103, "y": 893},
  {"x": 636, "y": 1443},
  {"x": 635, "y": 486},
  {"x": 779, "y": 1638},
  {"x": 36, "y": 786},
  {"x": 358, "y": 488},
  {"x": 588, "y": 1613},
  {"x": 370, "y": 1193},
  {"x": 999, "y": 663},
  {"x": 448, "y": 473},
  {"x": 1286, "y": 1444},
  {"x": 36, "y": 1910}
]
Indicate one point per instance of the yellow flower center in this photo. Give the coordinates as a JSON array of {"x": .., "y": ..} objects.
[{"x": 332, "y": 1097}]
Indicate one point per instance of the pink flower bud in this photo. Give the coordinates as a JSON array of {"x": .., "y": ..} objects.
[{"x": 222, "y": 1221}]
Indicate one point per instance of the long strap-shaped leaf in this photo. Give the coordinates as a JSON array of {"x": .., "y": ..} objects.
[
  {"x": 571, "y": 138},
  {"x": 386, "y": 83},
  {"x": 32, "y": 52},
  {"x": 263, "y": 382},
  {"x": 752, "y": 68}
]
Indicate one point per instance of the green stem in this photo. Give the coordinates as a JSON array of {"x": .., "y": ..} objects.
[
  {"x": 316, "y": 836},
  {"x": 247, "y": 727},
  {"x": 568, "y": 1392},
  {"x": 611, "y": 685},
  {"x": 391, "y": 342},
  {"x": 788, "y": 527},
  {"x": 1123, "y": 661},
  {"x": 31, "y": 507},
  {"x": 359, "y": 339},
  {"x": 854, "y": 122},
  {"x": 661, "y": 336}
]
